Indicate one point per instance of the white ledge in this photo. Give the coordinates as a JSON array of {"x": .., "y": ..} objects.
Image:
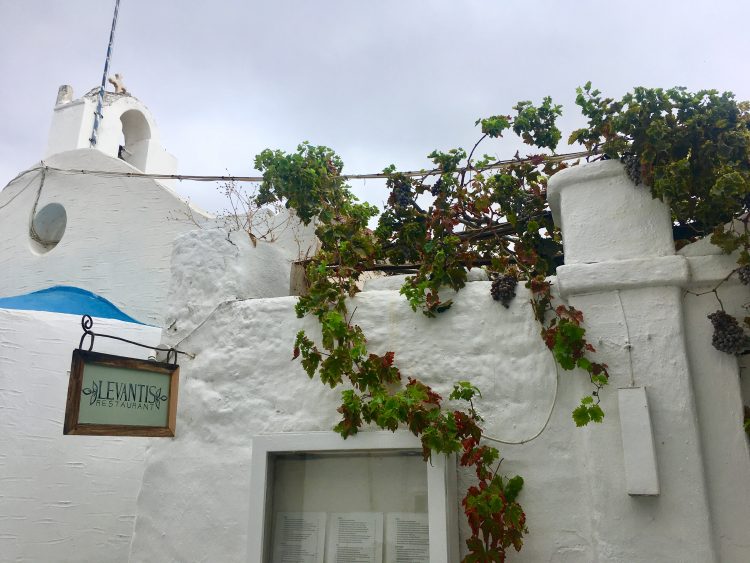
[{"x": 623, "y": 274}]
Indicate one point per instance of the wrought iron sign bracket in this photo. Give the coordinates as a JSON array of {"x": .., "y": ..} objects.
[{"x": 87, "y": 322}]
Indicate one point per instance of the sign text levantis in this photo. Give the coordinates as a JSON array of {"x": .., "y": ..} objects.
[{"x": 117, "y": 396}]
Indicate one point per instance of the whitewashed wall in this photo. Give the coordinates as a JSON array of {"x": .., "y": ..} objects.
[
  {"x": 242, "y": 382},
  {"x": 73, "y": 498},
  {"x": 643, "y": 301},
  {"x": 120, "y": 235},
  {"x": 212, "y": 266},
  {"x": 621, "y": 270},
  {"x": 73, "y": 121},
  {"x": 631, "y": 289},
  {"x": 117, "y": 242},
  {"x": 721, "y": 390},
  {"x": 62, "y": 498}
]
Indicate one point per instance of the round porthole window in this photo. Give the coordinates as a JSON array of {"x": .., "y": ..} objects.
[{"x": 48, "y": 227}]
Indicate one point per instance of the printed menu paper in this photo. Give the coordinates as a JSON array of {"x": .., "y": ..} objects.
[
  {"x": 407, "y": 537},
  {"x": 355, "y": 537},
  {"x": 299, "y": 537}
]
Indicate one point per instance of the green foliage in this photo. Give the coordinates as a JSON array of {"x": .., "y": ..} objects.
[
  {"x": 567, "y": 340},
  {"x": 536, "y": 125},
  {"x": 311, "y": 356},
  {"x": 305, "y": 180},
  {"x": 465, "y": 391},
  {"x": 691, "y": 149},
  {"x": 496, "y": 520},
  {"x": 447, "y": 162},
  {"x": 460, "y": 226},
  {"x": 565, "y": 337},
  {"x": 309, "y": 181},
  {"x": 494, "y": 126},
  {"x": 587, "y": 411}
]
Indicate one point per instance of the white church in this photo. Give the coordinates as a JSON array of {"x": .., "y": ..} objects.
[{"x": 254, "y": 472}]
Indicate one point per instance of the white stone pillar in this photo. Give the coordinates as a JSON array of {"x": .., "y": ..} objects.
[{"x": 621, "y": 271}]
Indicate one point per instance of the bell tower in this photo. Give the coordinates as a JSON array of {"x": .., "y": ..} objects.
[{"x": 126, "y": 131}]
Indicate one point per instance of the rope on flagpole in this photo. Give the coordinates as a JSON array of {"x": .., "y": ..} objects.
[{"x": 100, "y": 98}]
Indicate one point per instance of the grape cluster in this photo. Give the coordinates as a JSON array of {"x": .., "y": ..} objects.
[
  {"x": 401, "y": 195},
  {"x": 728, "y": 334},
  {"x": 436, "y": 187},
  {"x": 632, "y": 167},
  {"x": 744, "y": 274},
  {"x": 504, "y": 289}
]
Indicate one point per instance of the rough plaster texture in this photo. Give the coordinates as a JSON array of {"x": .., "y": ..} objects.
[
  {"x": 660, "y": 364},
  {"x": 395, "y": 282},
  {"x": 226, "y": 305},
  {"x": 117, "y": 242},
  {"x": 242, "y": 383},
  {"x": 233, "y": 389},
  {"x": 696, "y": 412},
  {"x": 213, "y": 266},
  {"x": 62, "y": 498},
  {"x": 125, "y": 121},
  {"x": 604, "y": 216},
  {"x": 120, "y": 234},
  {"x": 721, "y": 389}
]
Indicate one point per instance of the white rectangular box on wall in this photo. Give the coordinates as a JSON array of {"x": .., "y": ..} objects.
[
  {"x": 316, "y": 497},
  {"x": 639, "y": 453}
]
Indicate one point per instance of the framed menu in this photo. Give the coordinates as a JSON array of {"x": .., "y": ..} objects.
[{"x": 316, "y": 498}]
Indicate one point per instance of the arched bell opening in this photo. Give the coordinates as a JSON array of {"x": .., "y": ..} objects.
[{"x": 136, "y": 135}]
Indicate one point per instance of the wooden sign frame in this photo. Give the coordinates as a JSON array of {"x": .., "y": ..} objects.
[{"x": 81, "y": 358}]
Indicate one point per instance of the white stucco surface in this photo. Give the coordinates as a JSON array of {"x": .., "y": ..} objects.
[
  {"x": 117, "y": 242},
  {"x": 721, "y": 390},
  {"x": 242, "y": 382},
  {"x": 119, "y": 238},
  {"x": 604, "y": 216},
  {"x": 125, "y": 122},
  {"x": 212, "y": 266},
  {"x": 226, "y": 304},
  {"x": 62, "y": 498}
]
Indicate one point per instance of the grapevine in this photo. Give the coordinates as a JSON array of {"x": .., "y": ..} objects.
[
  {"x": 728, "y": 335},
  {"x": 632, "y": 165},
  {"x": 690, "y": 149},
  {"x": 503, "y": 289}
]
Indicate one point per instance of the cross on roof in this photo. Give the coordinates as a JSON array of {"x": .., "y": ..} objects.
[{"x": 116, "y": 81}]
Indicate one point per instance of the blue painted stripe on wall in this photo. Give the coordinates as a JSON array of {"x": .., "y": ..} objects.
[{"x": 66, "y": 299}]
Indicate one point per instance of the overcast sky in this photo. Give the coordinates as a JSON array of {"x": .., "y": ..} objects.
[{"x": 384, "y": 81}]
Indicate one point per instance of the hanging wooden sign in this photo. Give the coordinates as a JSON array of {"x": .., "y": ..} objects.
[{"x": 118, "y": 396}]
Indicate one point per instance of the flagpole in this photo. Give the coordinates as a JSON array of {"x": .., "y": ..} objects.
[{"x": 100, "y": 99}]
